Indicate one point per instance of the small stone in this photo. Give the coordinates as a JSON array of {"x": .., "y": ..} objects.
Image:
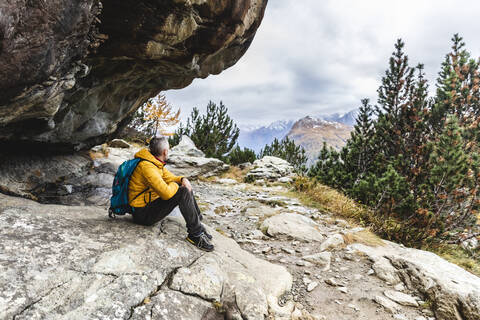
[
  {"x": 388, "y": 304},
  {"x": 321, "y": 259},
  {"x": 343, "y": 290},
  {"x": 332, "y": 282},
  {"x": 256, "y": 235},
  {"x": 332, "y": 242},
  {"x": 337, "y": 302},
  {"x": 349, "y": 257},
  {"x": 306, "y": 281},
  {"x": 370, "y": 272},
  {"x": 288, "y": 250},
  {"x": 354, "y": 307},
  {"x": 357, "y": 277},
  {"x": 427, "y": 312},
  {"x": 300, "y": 263},
  {"x": 307, "y": 272},
  {"x": 401, "y": 298},
  {"x": 399, "y": 287},
  {"x": 400, "y": 316},
  {"x": 420, "y": 318},
  {"x": 312, "y": 285},
  {"x": 266, "y": 249}
]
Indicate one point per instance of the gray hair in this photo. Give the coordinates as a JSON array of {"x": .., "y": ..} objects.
[{"x": 157, "y": 145}]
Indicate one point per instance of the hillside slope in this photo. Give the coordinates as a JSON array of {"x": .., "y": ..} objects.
[{"x": 311, "y": 133}]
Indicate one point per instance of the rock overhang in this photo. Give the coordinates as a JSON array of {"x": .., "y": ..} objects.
[{"x": 94, "y": 63}]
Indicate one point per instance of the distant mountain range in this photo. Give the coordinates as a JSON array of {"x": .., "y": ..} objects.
[
  {"x": 310, "y": 132},
  {"x": 257, "y": 138},
  {"x": 348, "y": 118}
]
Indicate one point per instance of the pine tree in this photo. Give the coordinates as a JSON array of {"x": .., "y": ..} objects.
[
  {"x": 451, "y": 191},
  {"x": 394, "y": 95},
  {"x": 458, "y": 90},
  {"x": 287, "y": 150},
  {"x": 239, "y": 155},
  {"x": 215, "y": 133},
  {"x": 359, "y": 153},
  {"x": 328, "y": 169}
]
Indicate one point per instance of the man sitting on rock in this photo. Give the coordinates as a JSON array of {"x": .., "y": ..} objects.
[{"x": 154, "y": 192}]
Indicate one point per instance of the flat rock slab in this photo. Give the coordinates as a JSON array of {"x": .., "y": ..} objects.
[
  {"x": 74, "y": 263},
  {"x": 455, "y": 292},
  {"x": 292, "y": 225},
  {"x": 401, "y": 298}
]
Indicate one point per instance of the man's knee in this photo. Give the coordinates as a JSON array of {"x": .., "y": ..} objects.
[{"x": 183, "y": 192}]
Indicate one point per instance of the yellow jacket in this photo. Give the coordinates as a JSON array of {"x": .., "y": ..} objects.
[{"x": 154, "y": 178}]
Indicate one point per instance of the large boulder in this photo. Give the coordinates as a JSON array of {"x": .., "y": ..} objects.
[
  {"x": 186, "y": 160},
  {"x": 73, "y": 72},
  {"x": 61, "y": 262},
  {"x": 454, "y": 292},
  {"x": 186, "y": 147},
  {"x": 86, "y": 178},
  {"x": 292, "y": 225},
  {"x": 271, "y": 169},
  {"x": 78, "y": 179}
]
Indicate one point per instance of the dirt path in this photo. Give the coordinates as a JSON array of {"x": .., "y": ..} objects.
[{"x": 347, "y": 289}]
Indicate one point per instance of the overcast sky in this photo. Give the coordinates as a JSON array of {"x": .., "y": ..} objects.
[{"x": 314, "y": 57}]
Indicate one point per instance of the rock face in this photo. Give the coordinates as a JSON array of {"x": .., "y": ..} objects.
[
  {"x": 71, "y": 73},
  {"x": 270, "y": 168},
  {"x": 455, "y": 293},
  {"x": 86, "y": 178},
  {"x": 68, "y": 263}
]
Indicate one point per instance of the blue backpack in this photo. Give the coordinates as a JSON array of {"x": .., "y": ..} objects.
[{"x": 119, "y": 201}]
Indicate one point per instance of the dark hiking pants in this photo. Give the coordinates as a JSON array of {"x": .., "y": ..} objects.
[{"x": 159, "y": 209}]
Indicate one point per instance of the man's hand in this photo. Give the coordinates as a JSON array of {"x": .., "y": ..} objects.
[{"x": 186, "y": 184}]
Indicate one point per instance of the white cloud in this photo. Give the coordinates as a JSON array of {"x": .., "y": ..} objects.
[{"x": 311, "y": 57}]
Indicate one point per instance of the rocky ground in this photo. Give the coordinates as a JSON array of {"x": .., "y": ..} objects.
[
  {"x": 274, "y": 257},
  {"x": 335, "y": 283}
]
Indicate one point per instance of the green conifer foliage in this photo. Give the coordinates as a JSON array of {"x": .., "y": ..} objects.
[
  {"x": 287, "y": 150},
  {"x": 239, "y": 155},
  {"x": 450, "y": 193},
  {"x": 417, "y": 165},
  {"x": 215, "y": 133}
]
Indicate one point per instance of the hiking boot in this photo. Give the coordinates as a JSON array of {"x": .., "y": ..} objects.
[
  {"x": 209, "y": 236},
  {"x": 202, "y": 242}
]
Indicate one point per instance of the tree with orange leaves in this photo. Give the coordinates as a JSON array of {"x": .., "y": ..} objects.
[{"x": 156, "y": 116}]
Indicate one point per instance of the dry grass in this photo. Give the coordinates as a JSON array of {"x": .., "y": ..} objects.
[
  {"x": 235, "y": 173},
  {"x": 221, "y": 209},
  {"x": 330, "y": 200},
  {"x": 207, "y": 179},
  {"x": 203, "y": 206},
  {"x": 365, "y": 237},
  {"x": 459, "y": 256}
]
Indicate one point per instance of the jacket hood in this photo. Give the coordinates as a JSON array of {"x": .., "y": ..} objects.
[{"x": 146, "y": 155}]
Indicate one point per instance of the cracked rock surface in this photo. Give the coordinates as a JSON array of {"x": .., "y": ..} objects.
[{"x": 73, "y": 263}]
